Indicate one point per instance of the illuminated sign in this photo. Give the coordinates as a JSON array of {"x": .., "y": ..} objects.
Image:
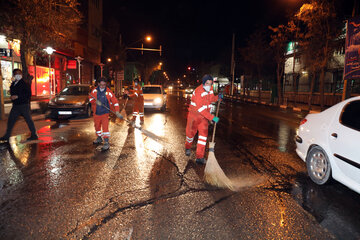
[
  {"x": 71, "y": 64},
  {"x": 42, "y": 80}
]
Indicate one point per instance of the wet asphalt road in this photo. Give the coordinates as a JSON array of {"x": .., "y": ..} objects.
[{"x": 62, "y": 187}]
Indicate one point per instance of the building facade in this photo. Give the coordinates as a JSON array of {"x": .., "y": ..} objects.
[
  {"x": 294, "y": 68},
  {"x": 52, "y": 73}
]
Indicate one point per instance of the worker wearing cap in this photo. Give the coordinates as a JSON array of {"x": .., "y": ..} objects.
[
  {"x": 199, "y": 116},
  {"x": 103, "y": 100},
  {"x": 137, "y": 95}
]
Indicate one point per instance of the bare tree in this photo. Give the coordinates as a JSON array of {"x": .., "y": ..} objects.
[
  {"x": 38, "y": 23},
  {"x": 318, "y": 39},
  {"x": 279, "y": 41},
  {"x": 256, "y": 55}
]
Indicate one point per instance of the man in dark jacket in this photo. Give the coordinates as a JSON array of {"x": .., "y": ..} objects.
[{"x": 20, "y": 96}]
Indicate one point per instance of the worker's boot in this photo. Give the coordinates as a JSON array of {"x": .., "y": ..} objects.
[
  {"x": 106, "y": 145},
  {"x": 187, "y": 152},
  {"x": 98, "y": 140},
  {"x": 201, "y": 161}
]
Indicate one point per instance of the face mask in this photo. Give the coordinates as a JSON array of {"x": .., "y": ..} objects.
[
  {"x": 135, "y": 84},
  {"x": 207, "y": 88},
  {"x": 18, "y": 77},
  {"x": 101, "y": 89}
]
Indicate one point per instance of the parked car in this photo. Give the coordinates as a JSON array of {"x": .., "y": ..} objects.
[
  {"x": 329, "y": 144},
  {"x": 154, "y": 97},
  {"x": 73, "y": 100}
]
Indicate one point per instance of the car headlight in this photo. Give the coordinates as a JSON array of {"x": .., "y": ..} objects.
[
  {"x": 52, "y": 102},
  {"x": 79, "y": 103},
  {"x": 157, "y": 100}
]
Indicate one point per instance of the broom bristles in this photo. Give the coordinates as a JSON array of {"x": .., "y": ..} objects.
[
  {"x": 214, "y": 175},
  {"x": 123, "y": 113}
]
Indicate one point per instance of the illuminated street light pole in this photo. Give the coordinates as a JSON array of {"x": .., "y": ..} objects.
[
  {"x": 101, "y": 69},
  {"x": 79, "y": 59},
  {"x": 142, "y": 49},
  {"x": 49, "y": 51}
]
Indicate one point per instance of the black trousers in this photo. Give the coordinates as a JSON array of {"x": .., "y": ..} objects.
[{"x": 16, "y": 111}]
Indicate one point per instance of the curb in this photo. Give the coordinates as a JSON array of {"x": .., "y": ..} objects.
[{"x": 249, "y": 100}]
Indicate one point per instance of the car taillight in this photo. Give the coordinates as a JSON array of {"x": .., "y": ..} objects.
[{"x": 303, "y": 121}]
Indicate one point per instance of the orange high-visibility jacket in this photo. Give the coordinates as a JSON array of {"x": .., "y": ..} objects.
[
  {"x": 113, "y": 102},
  {"x": 136, "y": 93},
  {"x": 201, "y": 102}
]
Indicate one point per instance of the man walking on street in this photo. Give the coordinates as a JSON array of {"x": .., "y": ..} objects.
[
  {"x": 198, "y": 117},
  {"x": 102, "y": 99},
  {"x": 20, "y": 96}
]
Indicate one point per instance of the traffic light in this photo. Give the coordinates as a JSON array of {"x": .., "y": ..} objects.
[{"x": 189, "y": 68}]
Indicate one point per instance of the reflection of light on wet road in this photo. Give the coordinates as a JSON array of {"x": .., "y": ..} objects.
[
  {"x": 10, "y": 174},
  {"x": 282, "y": 215},
  {"x": 156, "y": 125},
  {"x": 21, "y": 151},
  {"x": 140, "y": 153},
  {"x": 54, "y": 169},
  {"x": 117, "y": 142},
  {"x": 283, "y": 136}
]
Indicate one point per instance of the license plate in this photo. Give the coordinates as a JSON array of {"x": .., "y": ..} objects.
[
  {"x": 65, "y": 112},
  {"x": 148, "y": 104}
]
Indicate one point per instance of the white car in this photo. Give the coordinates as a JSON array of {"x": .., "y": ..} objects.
[
  {"x": 329, "y": 143},
  {"x": 154, "y": 97}
]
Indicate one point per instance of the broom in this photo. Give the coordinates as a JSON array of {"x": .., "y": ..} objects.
[
  {"x": 144, "y": 131},
  {"x": 123, "y": 111},
  {"x": 213, "y": 173}
]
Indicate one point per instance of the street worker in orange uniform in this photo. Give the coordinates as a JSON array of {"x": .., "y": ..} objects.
[
  {"x": 198, "y": 117},
  {"x": 137, "y": 95},
  {"x": 102, "y": 99}
]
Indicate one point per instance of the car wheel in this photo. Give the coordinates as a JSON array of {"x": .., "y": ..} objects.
[
  {"x": 318, "y": 165},
  {"x": 88, "y": 111}
]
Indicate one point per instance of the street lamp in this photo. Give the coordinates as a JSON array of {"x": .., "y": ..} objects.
[
  {"x": 79, "y": 59},
  {"x": 49, "y": 51}
]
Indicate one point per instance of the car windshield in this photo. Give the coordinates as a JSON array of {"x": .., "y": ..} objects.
[
  {"x": 75, "y": 90},
  {"x": 151, "y": 90}
]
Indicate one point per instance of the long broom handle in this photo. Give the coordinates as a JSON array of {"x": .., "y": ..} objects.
[
  {"x": 217, "y": 113},
  {"x": 125, "y": 103}
]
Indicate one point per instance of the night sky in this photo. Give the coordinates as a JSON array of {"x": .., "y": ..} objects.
[{"x": 195, "y": 31}]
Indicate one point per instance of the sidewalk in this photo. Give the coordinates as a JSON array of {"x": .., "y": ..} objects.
[{"x": 300, "y": 107}]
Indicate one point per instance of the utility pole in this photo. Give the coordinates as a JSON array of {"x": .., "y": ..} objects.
[{"x": 233, "y": 65}]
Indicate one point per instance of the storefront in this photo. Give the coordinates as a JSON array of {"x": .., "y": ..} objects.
[
  {"x": 10, "y": 59},
  {"x": 64, "y": 69},
  {"x": 40, "y": 85}
]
